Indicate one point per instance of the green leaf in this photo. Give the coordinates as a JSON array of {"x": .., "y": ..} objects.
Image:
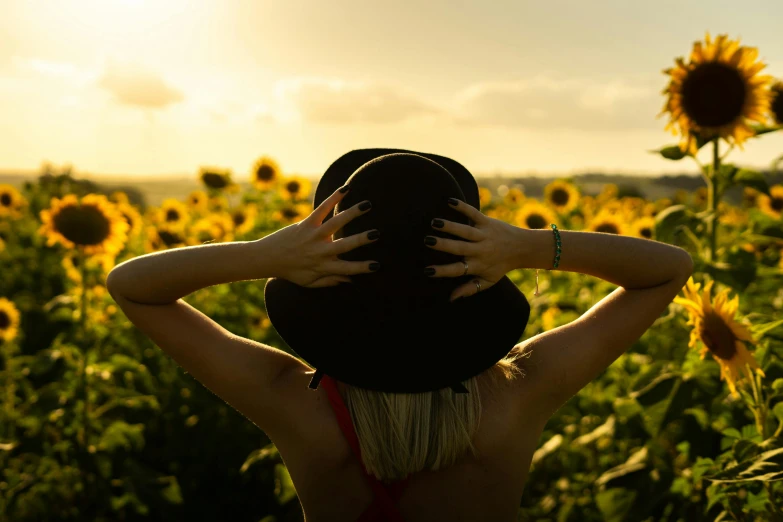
[
  {"x": 671, "y": 152},
  {"x": 615, "y": 503},
  {"x": 737, "y": 271},
  {"x": 765, "y": 467},
  {"x": 778, "y": 410},
  {"x": 734, "y": 433},
  {"x": 669, "y": 220},
  {"x": 284, "y": 486},
  {"x": 120, "y": 434},
  {"x": 172, "y": 492},
  {"x": 777, "y": 385},
  {"x": 751, "y": 178},
  {"x": 759, "y": 330},
  {"x": 268, "y": 452},
  {"x": 663, "y": 399},
  {"x": 760, "y": 130}
]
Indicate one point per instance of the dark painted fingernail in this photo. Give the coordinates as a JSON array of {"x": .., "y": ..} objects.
[
  {"x": 373, "y": 234},
  {"x": 453, "y": 201},
  {"x": 429, "y": 271},
  {"x": 374, "y": 266},
  {"x": 429, "y": 240},
  {"x": 437, "y": 223},
  {"x": 365, "y": 205},
  {"x": 344, "y": 189}
]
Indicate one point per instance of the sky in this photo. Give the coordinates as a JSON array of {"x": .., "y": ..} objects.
[{"x": 164, "y": 87}]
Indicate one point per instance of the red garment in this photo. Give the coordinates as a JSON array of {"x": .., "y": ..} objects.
[{"x": 383, "y": 507}]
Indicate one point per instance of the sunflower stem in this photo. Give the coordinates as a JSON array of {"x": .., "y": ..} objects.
[
  {"x": 712, "y": 197},
  {"x": 83, "y": 339}
]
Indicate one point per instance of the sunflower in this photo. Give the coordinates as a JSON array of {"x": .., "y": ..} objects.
[
  {"x": 658, "y": 206},
  {"x": 777, "y": 103},
  {"x": 616, "y": 208},
  {"x": 485, "y": 197},
  {"x": 11, "y": 201},
  {"x": 2, "y": 244},
  {"x": 72, "y": 264},
  {"x": 295, "y": 187},
  {"x": 132, "y": 217},
  {"x": 197, "y": 200},
  {"x": 548, "y": 318},
  {"x": 173, "y": 214},
  {"x": 244, "y": 218},
  {"x": 265, "y": 173},
  {"x": 772, "y": 206},
  {"x": 720, "y": 334},
  {"x": 608, "y": 192},
  {"x": 644, "y": 227},
  {"x": 750, "y": 197},
  {"x": 633, "y": 206},
  {"x": 514, "y": 197},
  {"x": 216, "y": 179},
  {"x": 608, "y": 223},
  {"x": 9, "y": 320},
  {"x": 716, "y": 94},
  {"x": 681, "y": 197},
  {"x": 292, "y": 213},
  {"x": 700, "y": 197},
  {"x": 162, "y": 238},
  {"x": 501, "y": 212},
  {"x": 93, "y": 224},
  {"x": 562, "y": 195},
  {"x": 213, "y": 228},
  {"x": 119, "y": 196},
  {"x": 535, "y": 214},
  {"x": 731, "y": 215}
]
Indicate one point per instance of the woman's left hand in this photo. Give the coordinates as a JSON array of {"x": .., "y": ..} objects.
[{"x": 304, "y": 252}]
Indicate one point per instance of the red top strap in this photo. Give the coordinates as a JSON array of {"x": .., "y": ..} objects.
[{"x": 383, "y": 507}]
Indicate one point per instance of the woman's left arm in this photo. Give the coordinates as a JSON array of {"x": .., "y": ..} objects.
[{"x": 245, "y": 373}]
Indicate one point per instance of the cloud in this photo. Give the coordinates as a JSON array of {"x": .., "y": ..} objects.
[
  {"x": 329, "y": 101},
  {"x": 546, "y": 103},
  {"x": 132, "y": 84}
]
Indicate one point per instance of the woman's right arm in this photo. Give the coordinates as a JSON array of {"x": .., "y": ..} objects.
[{"x": 563, "y": 360}]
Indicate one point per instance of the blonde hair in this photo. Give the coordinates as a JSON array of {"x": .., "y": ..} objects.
[{"x": 403, "y": 433}]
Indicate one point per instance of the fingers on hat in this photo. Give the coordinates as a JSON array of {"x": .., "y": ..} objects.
[
  {"x": 469, "y": 289},
  {"x": 346, "y": 244},
  {"x": 345, "y": 217},
  {"x": 351, "y": 267},
  {"x": 467, "y": 209},
  {"x": 453, "y": 246},
  {"x": 451, "y": 270},
  {"x": 327, "y": 206},
  {"x": 458, "y": 229}
]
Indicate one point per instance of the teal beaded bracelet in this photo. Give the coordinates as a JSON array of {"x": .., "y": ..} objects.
[{"x": 558, "y": 246}]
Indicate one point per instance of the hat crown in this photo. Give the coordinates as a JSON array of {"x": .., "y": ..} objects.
[{"x": 407, "y": 192}]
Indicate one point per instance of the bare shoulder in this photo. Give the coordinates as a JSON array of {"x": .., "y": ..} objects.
[{"x": 561, "y": 361}]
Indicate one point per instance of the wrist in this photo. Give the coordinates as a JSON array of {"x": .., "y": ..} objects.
[{"x": 536, "y": 248}]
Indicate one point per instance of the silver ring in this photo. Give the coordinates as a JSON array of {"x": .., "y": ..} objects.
[
  {"x": 478, "y": 285},
  {"x": 466, "y": 267}
]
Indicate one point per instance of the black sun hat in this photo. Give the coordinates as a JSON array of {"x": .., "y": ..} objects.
[{"x": 395, "y": 330}]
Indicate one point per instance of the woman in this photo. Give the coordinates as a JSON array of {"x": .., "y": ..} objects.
[{"x": 418, "y": 401}]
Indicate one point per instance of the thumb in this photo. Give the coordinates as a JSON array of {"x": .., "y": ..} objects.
[{"x": 469, "y": 288}]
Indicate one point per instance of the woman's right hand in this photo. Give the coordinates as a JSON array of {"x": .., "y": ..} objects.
[{"x": 492, "y": 248}]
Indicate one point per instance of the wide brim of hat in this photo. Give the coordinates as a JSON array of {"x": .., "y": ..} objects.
[{"x": 399, "y": 346}]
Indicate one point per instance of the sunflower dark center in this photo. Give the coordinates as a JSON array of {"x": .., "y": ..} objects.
[
  {"x": 84, "y": 225},
  {"x": 169, "y": 238},
  {"x": 5, "y": 321},
  {"x": 5, "y": 199},
  {"x": 609, "y": 228},
  {"x": 776, "y": 203},
  {"x": 127, "y": 218},
  {"x": 265, "y": 173},
  {"x": 535, "y": 221},
  {"x": 713, "y": 94},
  {"x": 560, "y": 197},
  {"x": 293, "y": 187},
  {"x": 172, "y": 215},
  {"x": 239, "y": 218},
  {"x": 256, "y": 321},
  {"x": 214, "y": 180},
  {"x": 646, "y": 232},
  {"x": 777, "y": 105},
  {"x": 289, "y": 213},
  {"x": 718, "y": 337}
]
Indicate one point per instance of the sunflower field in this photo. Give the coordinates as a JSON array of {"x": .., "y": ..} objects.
[{"x": 98, "y": 424}]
